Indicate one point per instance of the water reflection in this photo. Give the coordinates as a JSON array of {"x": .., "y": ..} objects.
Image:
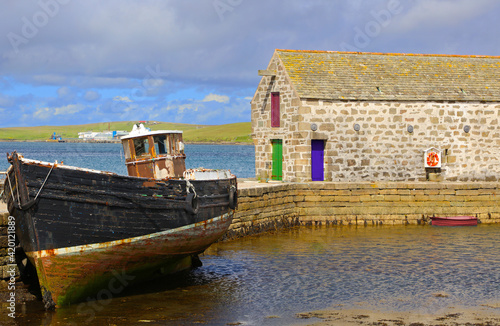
[{"x": 258, "y": 279}]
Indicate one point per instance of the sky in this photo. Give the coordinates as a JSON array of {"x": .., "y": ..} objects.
[{"x": 196, "y": 61}]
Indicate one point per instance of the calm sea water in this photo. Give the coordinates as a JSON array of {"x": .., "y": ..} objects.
[
  {"x": 109, "y": 156},
  {"x": 267, "y": 279}
]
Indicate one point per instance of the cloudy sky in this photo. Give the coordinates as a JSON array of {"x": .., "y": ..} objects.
[{"x": 196, "y": 61}]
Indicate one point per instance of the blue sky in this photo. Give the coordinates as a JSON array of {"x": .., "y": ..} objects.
[{"x": 196, "y": 61}]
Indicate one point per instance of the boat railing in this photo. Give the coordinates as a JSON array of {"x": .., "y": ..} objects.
[{"x": 3, "y": 175}]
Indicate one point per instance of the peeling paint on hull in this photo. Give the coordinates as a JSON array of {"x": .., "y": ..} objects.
[
  {"x": 81, "y": 228},
  {"x": 75, "y": 273}
]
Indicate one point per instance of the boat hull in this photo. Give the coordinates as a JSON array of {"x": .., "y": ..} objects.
[
  {"x": 81, "y": 227},
  {"x": 98, "y": 271},
  {"x": 454, "y": 221}
]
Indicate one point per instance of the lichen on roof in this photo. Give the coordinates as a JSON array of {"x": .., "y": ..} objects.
[{"x": 386, "y": 76}]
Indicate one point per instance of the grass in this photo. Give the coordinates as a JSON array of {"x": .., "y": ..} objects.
[{"x": 236, "y": 132}]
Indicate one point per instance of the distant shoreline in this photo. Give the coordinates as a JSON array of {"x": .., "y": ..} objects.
[
  {"x": 118, "y": 142},
  {"x": 233, "y": 133}
]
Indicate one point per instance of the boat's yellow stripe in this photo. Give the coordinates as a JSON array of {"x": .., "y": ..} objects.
[{"x": 95, "y": 246}]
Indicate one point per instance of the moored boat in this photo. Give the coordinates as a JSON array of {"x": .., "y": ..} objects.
[
  {"x": 84, "y": 230},
  {"x": 454, "y": 221}
]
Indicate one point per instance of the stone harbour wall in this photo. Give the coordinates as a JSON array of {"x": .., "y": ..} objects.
[
  {"x": 270, "y": 206},
  {"x": 264, "y": 208}
]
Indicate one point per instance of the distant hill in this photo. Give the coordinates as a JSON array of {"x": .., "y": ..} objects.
[{"x": 235, "y": 132}]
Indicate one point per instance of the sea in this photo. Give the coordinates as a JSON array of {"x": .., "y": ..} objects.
[
  {"x": 271, "y": 278},
  {"x": 109, "y": 156}
]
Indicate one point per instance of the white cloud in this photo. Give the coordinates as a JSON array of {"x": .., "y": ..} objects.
[
  {"x": 161, "y": 53},
  {"x": 190, "y": 106},
  {"x": 216, "y": 98},
  {"x": 122, "y": 99},
  {"x": 91, "y": 96},
  {"x": 68, "y": 109},
  {"x": 64, "y": 91},
  {"x": 6, "y": 100},
  {"x": 42, "y": 114},
  {"x": 208, "y": 116},
  {"x": 431, "y": 13},
  {"x": 48, "y": 113},
  {"x": 66, "y": 94}
]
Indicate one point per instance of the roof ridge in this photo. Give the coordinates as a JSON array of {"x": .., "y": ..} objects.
[{"x": 394, "y": 54}]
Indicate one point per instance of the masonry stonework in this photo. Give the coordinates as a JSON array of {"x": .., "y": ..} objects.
[
  {"x": 393, "y": 134},
  {"x": 383, "y": 149},
  {"x": 263, "y": 133},
  {"x": 272, "y": 206}
]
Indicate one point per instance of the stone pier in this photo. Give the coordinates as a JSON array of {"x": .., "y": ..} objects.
[{"x": 267, "y": 206}]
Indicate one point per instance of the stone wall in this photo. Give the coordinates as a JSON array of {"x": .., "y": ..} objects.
[
  {"x": 264, "y": 208},
  {"x": 262, "y": 131},
  {"x": 383, "y": 149},
  {"x": 274, "y": 205}
]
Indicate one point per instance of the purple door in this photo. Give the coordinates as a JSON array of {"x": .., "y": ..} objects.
[{"x": 317, "y": 157}]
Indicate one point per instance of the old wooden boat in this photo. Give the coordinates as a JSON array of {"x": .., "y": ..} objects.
[
  {"x": 454, "y": 221},
  {"x": 89, "y": 232}
]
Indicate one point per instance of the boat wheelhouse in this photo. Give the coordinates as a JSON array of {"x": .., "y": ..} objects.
[{"x": 154, "y": 154}]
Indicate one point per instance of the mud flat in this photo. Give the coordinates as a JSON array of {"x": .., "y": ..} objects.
[{"x": 484, "y": 315}]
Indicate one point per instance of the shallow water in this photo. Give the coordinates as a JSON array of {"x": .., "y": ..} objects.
[{"x": 267, "y": 279}]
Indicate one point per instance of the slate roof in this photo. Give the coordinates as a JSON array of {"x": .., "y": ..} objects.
[{"x": 383, "y": 76}]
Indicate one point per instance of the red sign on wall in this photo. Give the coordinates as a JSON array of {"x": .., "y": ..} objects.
[{"x": 432, "y": 158}]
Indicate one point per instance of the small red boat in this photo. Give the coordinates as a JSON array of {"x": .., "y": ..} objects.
[{"x": 454, "y": 221}]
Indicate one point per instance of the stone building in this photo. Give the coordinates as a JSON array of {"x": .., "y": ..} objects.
[{"x": 344, "y": 116}]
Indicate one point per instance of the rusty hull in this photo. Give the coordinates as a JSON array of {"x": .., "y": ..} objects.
[
  {"x": 81, "y": 227},
  {"x": 74, "y": 274}
]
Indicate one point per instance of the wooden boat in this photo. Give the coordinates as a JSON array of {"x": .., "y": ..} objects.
[
  {"x": 454, "y": 221},
  {"x": 88, "y": 232}
]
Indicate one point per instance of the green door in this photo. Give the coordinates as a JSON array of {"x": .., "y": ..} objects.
[{"x": 277, "y": 173}]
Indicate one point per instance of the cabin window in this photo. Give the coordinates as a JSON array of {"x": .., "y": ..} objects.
[
  {"x": 126, "y": 149},
  {"x": 174, "y": 143},
  {"x": 161, "y": 146},
  {"x": 141, "y": 146},
  {"x": 275, "y": 109}
]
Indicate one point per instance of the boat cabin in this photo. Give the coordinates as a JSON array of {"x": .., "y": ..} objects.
[{"x": 154, "y": 154}]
